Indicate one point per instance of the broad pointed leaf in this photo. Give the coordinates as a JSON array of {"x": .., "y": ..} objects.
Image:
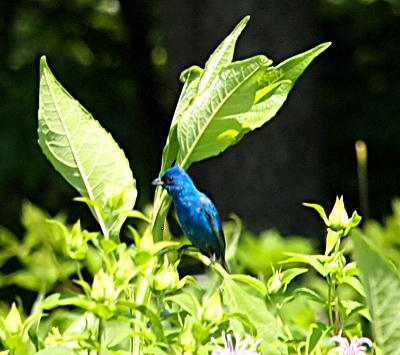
[{"x": 81, "y": 150}]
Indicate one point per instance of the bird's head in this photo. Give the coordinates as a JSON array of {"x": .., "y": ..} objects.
[{"x": 174, "y": 180}]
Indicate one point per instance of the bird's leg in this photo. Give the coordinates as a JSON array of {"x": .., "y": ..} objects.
[{"x": 213, "y": 259}]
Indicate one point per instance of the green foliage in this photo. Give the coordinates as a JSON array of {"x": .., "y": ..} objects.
[
  {"x": 258, "y": 253},
  {"x": 130, "y": 299},
  {"x": 382, "y": 284},
  {"x": 41, "y": 253}
]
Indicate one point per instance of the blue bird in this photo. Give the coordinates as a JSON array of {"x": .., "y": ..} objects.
[{"x": 196, "y": 213}]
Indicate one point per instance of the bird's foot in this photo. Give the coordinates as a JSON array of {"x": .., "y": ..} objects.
[{"x": 213, "y": 259}]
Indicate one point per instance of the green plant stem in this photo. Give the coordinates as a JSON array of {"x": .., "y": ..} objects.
[
  {"x": 333, "y": 296},
  {"x": 101, "y": 336},
  {"x": 161, "y": 207},
  {"x": 330, "y": 293},
  {"x": 337, "y": 317},
  {"x": 142, "y": 297}
]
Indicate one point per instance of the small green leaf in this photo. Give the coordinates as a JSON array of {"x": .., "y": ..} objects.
[
  {"x": 138, "y": 215},
  {"x": 304, "y": 291},
  {"x": 108, "y": 245},
  {"x": 352, "y": 307},
  {"x": 353, "y": 222},
  {"x": 331, "y": 240},
  {"x": 57, "y": 300},
  {"x": 316, "y": 261},
  {"x": 93, "y": 203},
  {"x": 355, "y": 283},
  {"x": 187, "y": 303},
  {"x": 318, "y": 331},
  {"x": 320, "y": 211},
  {"x": 251, "y": 281},
  {"x": 102, "y": 311},
  {"x": 288, "y": 275}
]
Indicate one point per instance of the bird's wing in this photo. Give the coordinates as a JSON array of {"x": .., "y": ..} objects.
[{"x": 213, "y": 219}]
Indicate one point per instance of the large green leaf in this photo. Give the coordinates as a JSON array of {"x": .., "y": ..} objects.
[
  {"x": 82, "y": 151},
  {"x": 209, "y": 125},
  {"x": 382, "y": 288},
  {"x": 237, "y": 299}
]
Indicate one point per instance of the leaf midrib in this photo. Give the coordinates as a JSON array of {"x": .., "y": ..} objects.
[
  {"x": 73, "y": 150},
  {"x": 203, "y": 129}
]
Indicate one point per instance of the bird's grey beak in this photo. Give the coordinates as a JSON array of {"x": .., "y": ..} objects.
[{"x": 158, "y": 181}]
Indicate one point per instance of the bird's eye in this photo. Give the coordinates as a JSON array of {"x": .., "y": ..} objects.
[{"x": 170, "y": 179}]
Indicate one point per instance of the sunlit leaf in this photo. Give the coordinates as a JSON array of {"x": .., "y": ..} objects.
[
  {"x": 81, "y": 150},
  {"x": 209, "y": 125}
]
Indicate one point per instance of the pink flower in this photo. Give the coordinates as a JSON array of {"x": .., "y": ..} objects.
[
  {"x": 238, "y": 349},
  {"x": 355, "y": 347}
]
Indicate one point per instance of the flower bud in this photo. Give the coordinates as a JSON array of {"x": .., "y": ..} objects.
[
  {"x": 212, "y": 310},
  {"x": 13, "y": 322},
  {"x": 167, "y": 277},
  {"x": 54, "y": 338},
  {"x": 103, "y": 289},
  {"x": 338, "y": 218},
  {"x": 188, "y": 342},
  {"x": 76, "y": 242},
  {"x": 274, "y": 283}
]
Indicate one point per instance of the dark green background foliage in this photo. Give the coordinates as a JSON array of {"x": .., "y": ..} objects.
[
  {"x": 114, "y": 57},
  {"x": 361, "y": 91}
]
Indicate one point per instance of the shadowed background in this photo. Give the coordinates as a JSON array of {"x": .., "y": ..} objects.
[{"x": 122, "y": 59}]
